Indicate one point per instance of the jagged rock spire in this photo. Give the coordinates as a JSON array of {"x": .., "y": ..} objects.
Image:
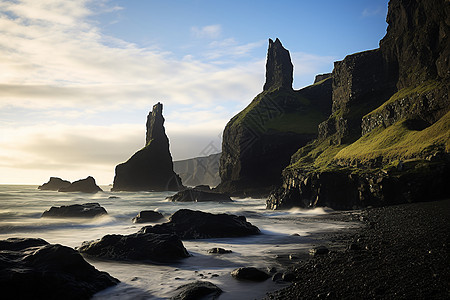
[
  {"x": 155, "y": 124},
  {"x": 279, "y": 68}
]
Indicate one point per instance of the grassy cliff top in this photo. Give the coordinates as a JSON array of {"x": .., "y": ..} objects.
[{"x": 284, "y": 110}]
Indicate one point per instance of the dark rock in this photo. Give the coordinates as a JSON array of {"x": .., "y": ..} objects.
[
  {"x": 199, "y": 170},
  {"x": 250, "y": 273},
  {"x": 197, "y": 290},
  {"x": 354, "y": 247},
  {"x": 151, "y": 168},
  {"x": 288, "y": 276},
  {"x": 403, "y": 84},
  {"x": 35, "y": 269},
  {"x": 190, "y": 224},
  {"x": 86, "y": 210},
  {"x": 86, "y": 185},
  {"x": 198, "y": 195},
  {"x": 219, "y": 251},
  {"x": 148, "y": 216},
  {"x": 321, "y": 77},
  {"x": 279, "y": 68},
  {"x": 54, "y": 184},
  {"x": 138, "y": 246},
  {"x": 204, "y": 187},
  {"x": 277, "y": 276},
  {"x": 320, "y": 250}
]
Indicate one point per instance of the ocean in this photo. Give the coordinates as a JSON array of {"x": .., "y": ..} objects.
[{"x": 283, "y": 233}]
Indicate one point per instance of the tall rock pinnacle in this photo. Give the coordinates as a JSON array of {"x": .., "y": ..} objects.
[
  {"x": 151, "y": 168},
  {"x": 155, "y": 124},
  {"x": 279, "y": 67}
]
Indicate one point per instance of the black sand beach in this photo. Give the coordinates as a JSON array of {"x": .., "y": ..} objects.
[{"x": 399, "y": 252}]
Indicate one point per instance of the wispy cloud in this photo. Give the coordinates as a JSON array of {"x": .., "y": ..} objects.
[
  {"x": 209, "y": 31},
  {"x": 373, "y": 11}
]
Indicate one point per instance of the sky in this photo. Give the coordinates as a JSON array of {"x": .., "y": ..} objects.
[{"x": 78, "y": 78}]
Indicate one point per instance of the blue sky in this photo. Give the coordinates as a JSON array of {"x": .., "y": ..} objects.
[{"x": 79, "y": 77}]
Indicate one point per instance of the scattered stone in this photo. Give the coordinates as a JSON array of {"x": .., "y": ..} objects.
[
  {"x": 293, "y": 256},
  {"x": 146, "y": 216},
  {"x": 219, "y": 251},
  {"x": 137, "y": 246},
  {"x": 194, "y": 224},
  {"x": 113, "y": 197},
  {"x": 54, "y": 184},
  {"x": 272, "y": 270},
  {"x": 34, "y": 269},
  {"x": 197, "y": 290},
  {"x": 354, "y": 247},
  {"x": 86, "y": 210},
  {"x": 198, "y": 195},
  {"x": 320, "y": 250},
  {"x": 86, "y": 185},
  {"x": 250, "y": 273},
  {"x": 277, "y": 276}
]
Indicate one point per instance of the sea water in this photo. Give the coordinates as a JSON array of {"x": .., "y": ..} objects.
[{"x": 283, "y": 233}]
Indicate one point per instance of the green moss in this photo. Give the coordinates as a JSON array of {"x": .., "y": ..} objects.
[
  {"x": 399, "y": 142},
  {"x": 425, "y": 87},
  {"x": 300, "y": 122}
]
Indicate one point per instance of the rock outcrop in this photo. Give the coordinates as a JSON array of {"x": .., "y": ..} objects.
[
  {"x": 197, "y": 290},
  {"x": 387, "y": 140},
  {"x": 194, "y": 224},
  {"x": 279, "y": 68},
  {"x": 86, "y": 185},
  {"x": 138, "y": 246},
  {"x": 146, "y": 216},
  {"x": 198, "y": 195},
  {"x": 54, "y": 184},
  {"x": 199, "y": 170},
  {"x": 151, "y": 168},
  {"x": 259, "y": 141},
  {"x": 86, "y": 210},
  {"x": 35, "y": 269}
]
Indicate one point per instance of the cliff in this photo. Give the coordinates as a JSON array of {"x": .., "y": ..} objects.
[
  {"x": 199, "y": 170},
  {"x": 259, "y": 141},
  {"x": 387, "y": 140},
  {"x": 151, "y": 168}
]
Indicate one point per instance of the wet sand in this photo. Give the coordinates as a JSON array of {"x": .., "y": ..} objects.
[{"x": 398, "y": 252}]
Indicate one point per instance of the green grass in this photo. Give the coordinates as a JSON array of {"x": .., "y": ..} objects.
[
  {"x": 399, "y": 142},
  {"x": 405, "y": 92},
  {"x": 300, "y": 122}
]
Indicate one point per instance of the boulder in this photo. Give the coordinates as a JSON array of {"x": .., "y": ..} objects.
[
  {"x": 151, "y": 168},
  {"x": 35, "y": 269},
  {"x": 198, "y": 195},
  {"x": 137, "y": 246},
  {"x": 197, "y": 290},
  {"x": 86, "y": 210},
  {"x": 86, "y": 185},
  {"x": 54, "y": 184},
  {"x": 194, "y": 224},
  {"x": 148, "y": 216},
  {"x": 250, "y": 273},
  {"x": 319, "y": 250}
]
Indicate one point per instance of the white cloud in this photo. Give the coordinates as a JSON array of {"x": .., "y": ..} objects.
[{"x": 209, "y": 31}]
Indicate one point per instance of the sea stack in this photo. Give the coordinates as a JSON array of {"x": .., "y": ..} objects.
[
  {"x": 259, "y": 141},
  {"x": 151, "y": 168},
  {"x": 279, "y": 68}
]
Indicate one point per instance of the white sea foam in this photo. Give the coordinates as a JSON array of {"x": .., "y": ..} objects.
[{"x": 283, "y": 232}]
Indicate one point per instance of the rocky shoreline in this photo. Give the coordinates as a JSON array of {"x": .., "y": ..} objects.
[{"x": 399, "y": 252}]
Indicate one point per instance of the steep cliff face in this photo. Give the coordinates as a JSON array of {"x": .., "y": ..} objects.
[
  {"x": 388, "y": 138},
  {"x": 259, "y": 141},
  {"x": 199, "y": 170},
  {"x": 151, "y": 168}
]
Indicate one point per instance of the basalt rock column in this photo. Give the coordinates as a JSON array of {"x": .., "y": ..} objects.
[{"x": 151, "y": 168}]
